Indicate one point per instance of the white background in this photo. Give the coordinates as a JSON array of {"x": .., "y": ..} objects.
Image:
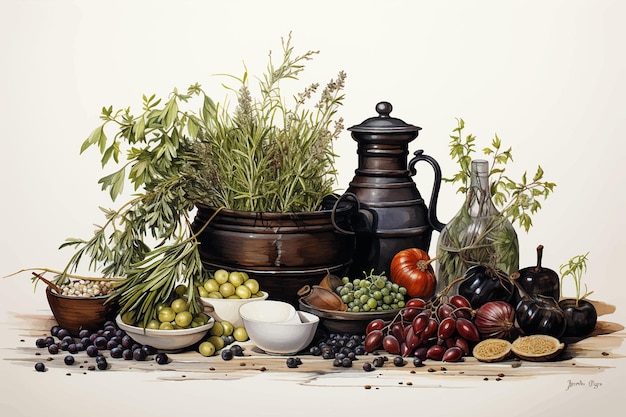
[{"x": 546, "y": 76}]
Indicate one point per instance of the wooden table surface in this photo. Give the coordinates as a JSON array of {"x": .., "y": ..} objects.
[{"x": 588, "y": 356}]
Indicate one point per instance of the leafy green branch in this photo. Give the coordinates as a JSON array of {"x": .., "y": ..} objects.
[
  {"x": 516, "y": 200},
  {"x": 156, "y": 140}
]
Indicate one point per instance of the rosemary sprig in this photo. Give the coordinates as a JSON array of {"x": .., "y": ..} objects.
[{"x": 154, "y": 279}]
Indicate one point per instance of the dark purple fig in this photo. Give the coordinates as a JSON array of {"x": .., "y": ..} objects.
[
  {"x": 540, "y": 280},
  {"x": 581, "y": 317},
  {"x": 538, "y": 314},
  {"x": 482, "y": 284}
]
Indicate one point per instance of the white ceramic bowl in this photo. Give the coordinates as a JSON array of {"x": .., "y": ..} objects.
[
  {"x": 227, "y": 309},
  {"x": 176, "y": 339},
  {"x": 270, "y": 311},
  {"x": 274, "y": 336}
]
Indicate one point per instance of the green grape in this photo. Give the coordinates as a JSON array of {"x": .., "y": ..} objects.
[
  {"x": 371, "y": 293},
  {"x": 401, "y": 304}
]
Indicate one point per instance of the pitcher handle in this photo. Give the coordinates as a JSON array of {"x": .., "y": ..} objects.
[
  {"x": 366, "y": 215},
  {"x": 432, "y": 207}
]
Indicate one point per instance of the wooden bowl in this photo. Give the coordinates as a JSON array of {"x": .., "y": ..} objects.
[
  {"x": 76, "y": 313},
  {"x": 345, "y": 321}
]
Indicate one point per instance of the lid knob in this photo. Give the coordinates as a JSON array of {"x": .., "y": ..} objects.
[{"x": 384, "y": 108}]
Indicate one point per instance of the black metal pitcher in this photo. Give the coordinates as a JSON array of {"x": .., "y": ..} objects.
[{"x": 392, "y": 214}]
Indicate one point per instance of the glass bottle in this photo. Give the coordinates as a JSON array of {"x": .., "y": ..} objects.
[{"x": 477, "y": 235}]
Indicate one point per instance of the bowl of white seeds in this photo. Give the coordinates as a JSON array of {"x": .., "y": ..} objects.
[{"x": 82, "y": 304}]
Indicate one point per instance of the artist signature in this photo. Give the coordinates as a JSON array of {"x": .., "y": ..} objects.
[{"x": 583, "y": 384}]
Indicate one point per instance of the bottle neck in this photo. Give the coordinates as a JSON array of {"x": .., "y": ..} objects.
[{"x": 479, "y": 203}]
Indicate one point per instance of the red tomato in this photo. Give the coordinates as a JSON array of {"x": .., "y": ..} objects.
[{"x": 411, "y": 268}]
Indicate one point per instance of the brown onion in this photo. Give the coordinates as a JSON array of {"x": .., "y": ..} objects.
[{"x": 495, "y": 319}]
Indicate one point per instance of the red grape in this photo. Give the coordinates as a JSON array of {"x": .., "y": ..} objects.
[
  {"x": 452, "y": 354},
  {"x": 435, "y": 352},
  {"x": 376, "y": 324},
  {"x": 391, "y": 344},
  {"x": 373, "y": 340},
  {"x": 467, "y": 330},
  {"x": 447, "y": 327}
]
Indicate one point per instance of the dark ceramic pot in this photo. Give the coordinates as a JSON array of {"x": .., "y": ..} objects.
[
  {"x": 394, "y": 214},
  {"x": 283, "y": 251}
]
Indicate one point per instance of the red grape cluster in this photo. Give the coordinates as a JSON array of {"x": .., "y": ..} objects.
[{"x": 440, "y": 330}]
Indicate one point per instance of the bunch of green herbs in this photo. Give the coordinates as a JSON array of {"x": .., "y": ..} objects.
[{"x": 265, "y": 156}]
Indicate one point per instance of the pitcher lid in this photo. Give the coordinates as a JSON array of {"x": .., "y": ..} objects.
[{"x": 384, "y": 122}]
